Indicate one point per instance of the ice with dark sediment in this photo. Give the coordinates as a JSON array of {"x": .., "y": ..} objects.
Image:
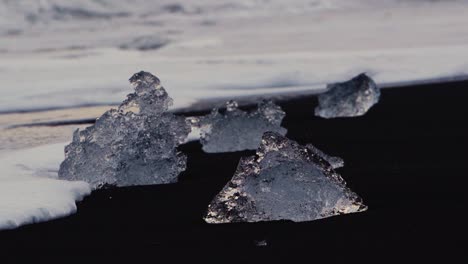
[
  {"x": 347, "y": 99},
  {"x": 283, "y": 181},
  {"x": 135, "y": 144},
  {"x": 237, "y": 130}
]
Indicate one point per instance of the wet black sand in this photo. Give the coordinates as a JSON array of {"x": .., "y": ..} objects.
[{"x": 407, "y": 158}]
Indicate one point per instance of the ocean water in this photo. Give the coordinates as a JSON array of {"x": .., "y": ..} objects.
[{"x": 60, "y": 53}]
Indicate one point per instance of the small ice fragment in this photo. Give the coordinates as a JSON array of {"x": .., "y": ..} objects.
[
  {"x": 261, "y": 243},
  {"x": 335, "y": 162},
  {"x": 352, "y": 98},
  {"x": 132, "y": 145},
  {"x": 283, "y": 181},
  {"x": 237, "y": 130}
]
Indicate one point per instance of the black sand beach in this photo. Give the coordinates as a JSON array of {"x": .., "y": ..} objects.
[{"x": 406, "y": 158}]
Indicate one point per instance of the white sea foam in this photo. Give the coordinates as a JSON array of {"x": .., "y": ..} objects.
[{"x": 29, "y": 189}]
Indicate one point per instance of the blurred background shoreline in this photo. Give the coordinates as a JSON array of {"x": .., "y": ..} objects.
[{"x": 63, "y": 54}]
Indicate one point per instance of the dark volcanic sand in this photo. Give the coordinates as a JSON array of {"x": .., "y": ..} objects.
[{"x": 406, "y": 158}]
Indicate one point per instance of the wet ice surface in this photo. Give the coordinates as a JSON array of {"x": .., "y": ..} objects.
[
  {"x": 335, "y": 162},
  {"x": 132, "y": 145},
  {"x": 352, "y": 98},
  {"x": 236, "y": 130},
  {"x": 283, "y": 181}
]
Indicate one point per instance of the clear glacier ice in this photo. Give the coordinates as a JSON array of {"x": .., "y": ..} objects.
[
  {"x": 135, "y": 144},
  {"x": 237, "y": 130},
  {"x": 347, "y": 99},
  {"x": 283, "y": 181},
  {"x": 261, "y": 243}
]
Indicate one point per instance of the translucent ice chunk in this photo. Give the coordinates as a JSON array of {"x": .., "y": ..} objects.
[
  {"x": 352, "y": 98},
  {"x": 236, "y": 130},
  {"x": 283, "y": 181},
  {"x": 261, "y": 243},
  {"x": 132, "y": 145}
]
